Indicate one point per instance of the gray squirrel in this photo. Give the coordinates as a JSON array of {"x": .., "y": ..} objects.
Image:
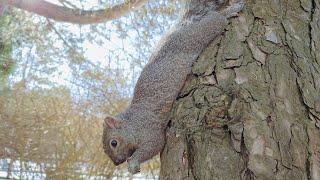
[{"x": 138, "y": 133}]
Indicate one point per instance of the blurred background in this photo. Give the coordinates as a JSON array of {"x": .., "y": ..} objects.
[{"x": 59, "y": 80}]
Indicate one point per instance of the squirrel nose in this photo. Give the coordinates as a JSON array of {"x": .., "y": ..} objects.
[{"x": 118, "y": 161}]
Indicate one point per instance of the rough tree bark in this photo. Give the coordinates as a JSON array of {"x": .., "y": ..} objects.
[{"x": 251, "y": 109}]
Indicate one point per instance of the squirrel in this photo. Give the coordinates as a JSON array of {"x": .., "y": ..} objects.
[{"x": 138, "y": 133}]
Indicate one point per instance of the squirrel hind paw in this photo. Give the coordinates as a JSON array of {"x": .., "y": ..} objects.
[{"x": 233, "y": 10}]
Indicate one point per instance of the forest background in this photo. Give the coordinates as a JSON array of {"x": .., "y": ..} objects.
[{"x": 58, "y": 81}]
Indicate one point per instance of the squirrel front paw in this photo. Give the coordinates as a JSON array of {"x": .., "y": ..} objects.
[{"x": 133, "y": 166}]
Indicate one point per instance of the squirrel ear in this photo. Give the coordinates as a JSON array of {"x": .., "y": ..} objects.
[{"x": 111, "y": 122}]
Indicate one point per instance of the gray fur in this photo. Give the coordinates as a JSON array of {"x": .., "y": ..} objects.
[{"x": 141, "y": 128}]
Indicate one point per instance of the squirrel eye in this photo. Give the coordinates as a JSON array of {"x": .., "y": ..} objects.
[{"x": 114, "y": 143}]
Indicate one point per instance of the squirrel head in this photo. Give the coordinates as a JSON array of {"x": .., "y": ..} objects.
[{"x": 117, "y": 143}]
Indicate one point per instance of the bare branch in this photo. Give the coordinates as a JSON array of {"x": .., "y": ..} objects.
[
  {"x": 2, "y": 9},
  {"x": 77, "y": 16}
]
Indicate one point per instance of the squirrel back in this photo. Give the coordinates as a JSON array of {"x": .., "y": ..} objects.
[
  {"x": 138, "y": 133},
  {"x": 164, "y": 75}
]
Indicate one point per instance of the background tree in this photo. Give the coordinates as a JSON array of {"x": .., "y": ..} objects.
[
  {"x": 251, "y": 110},
  {"x": 55, "y": 96}
]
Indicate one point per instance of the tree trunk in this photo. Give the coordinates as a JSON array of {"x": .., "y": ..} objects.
[
  {"x": 9, "y": 169},
  {"x": 251, "y": 109}
]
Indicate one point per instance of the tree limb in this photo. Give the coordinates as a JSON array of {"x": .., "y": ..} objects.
[
  {"x": 2, "y": 9},
  {"x": 77, "y": 16}
]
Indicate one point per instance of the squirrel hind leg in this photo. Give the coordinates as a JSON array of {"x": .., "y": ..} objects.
[
  {"x": 233, "y": 10},
  {"x": 220, "y": 2}
]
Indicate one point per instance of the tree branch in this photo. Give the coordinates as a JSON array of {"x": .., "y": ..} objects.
[
  {"x": 2, "y": 9},
  {"x": 77, "y": 16}
]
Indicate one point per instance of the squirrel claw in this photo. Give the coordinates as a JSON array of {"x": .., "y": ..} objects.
[
  {"x": 133, "y": 166},
  {"x": 233, "y": 10}
]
